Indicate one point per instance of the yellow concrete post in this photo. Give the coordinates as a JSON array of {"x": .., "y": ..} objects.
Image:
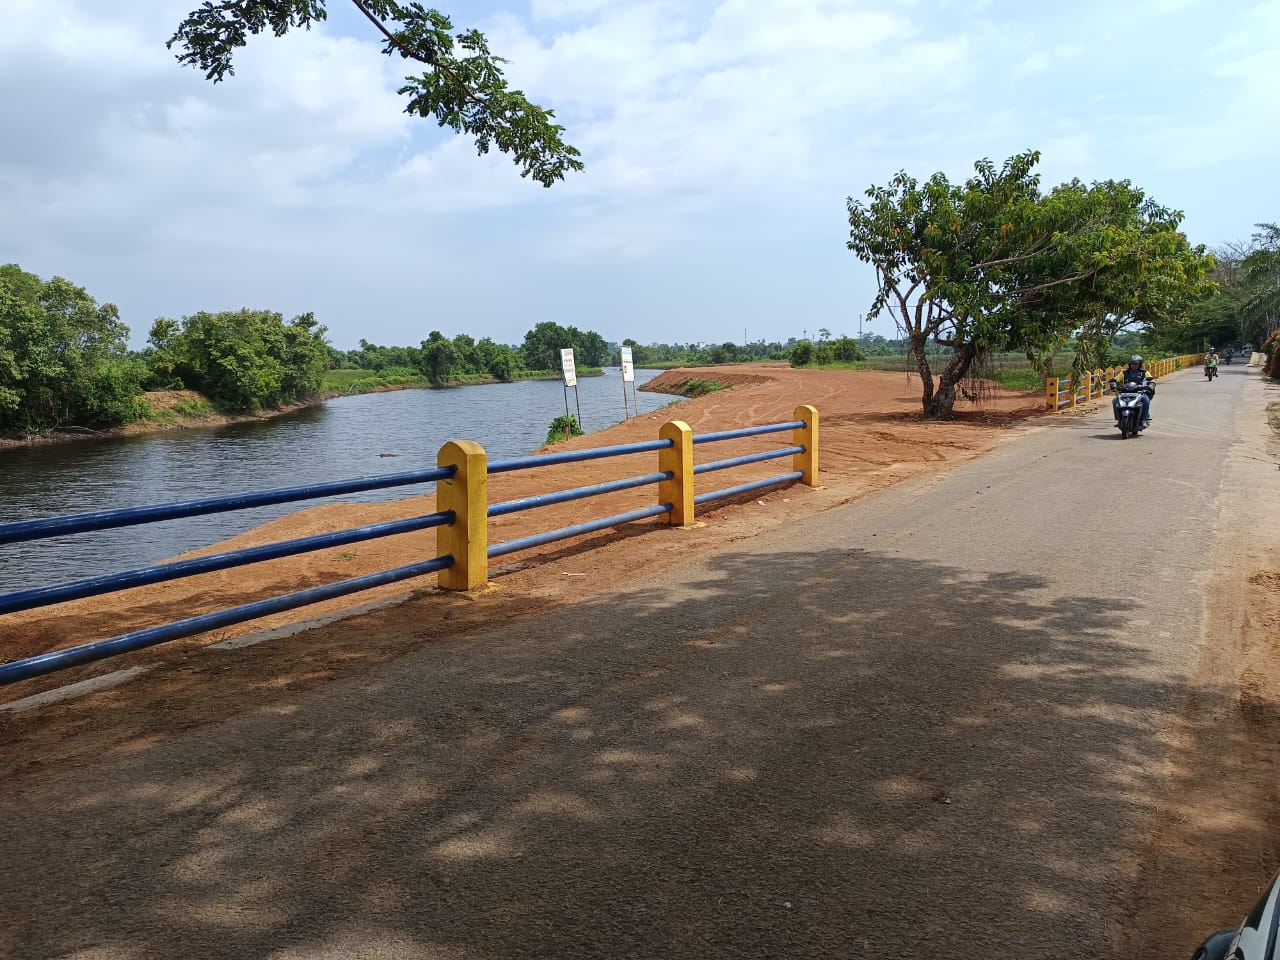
[
  {"x": 677, "y": 458},
  {"x": 1051, "y": 393},
  {"x": 1075, "y": 388},
  {"x": 467, "y": 495},
  {"x": 807, "y": 437}
]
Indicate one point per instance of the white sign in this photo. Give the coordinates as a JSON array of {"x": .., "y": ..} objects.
[
  {"x": 628, "y": 368},
  {"x": 570, "y": 373}
]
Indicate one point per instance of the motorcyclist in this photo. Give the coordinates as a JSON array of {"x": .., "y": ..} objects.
[
  {"x": 1211, "y": 361},
  {"x": 1228, "y": 354},
  {"x": 1135, "y": 375}
]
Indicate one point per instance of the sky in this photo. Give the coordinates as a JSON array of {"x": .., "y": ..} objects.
[{"x": 721, "y": 142}]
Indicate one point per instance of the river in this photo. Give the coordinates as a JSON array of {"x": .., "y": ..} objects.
[{"x": 343, "y": 438}]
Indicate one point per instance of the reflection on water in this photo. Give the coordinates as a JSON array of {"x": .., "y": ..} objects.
[{"x": 344, "y": 438}]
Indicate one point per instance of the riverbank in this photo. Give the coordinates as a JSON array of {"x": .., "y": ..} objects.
[
  {"x": 872, "y": 436},
  {"x": 174, "y": 410},
  {"x": 168, "y": 410}
]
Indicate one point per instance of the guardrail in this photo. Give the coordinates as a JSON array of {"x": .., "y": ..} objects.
[
  {"x": 1061, "y": 393},
  {"x": 463, "y": 550}
]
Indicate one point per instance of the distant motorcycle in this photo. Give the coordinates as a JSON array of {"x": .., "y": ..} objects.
[
  {"x": 1210, "y": 369},
  {"x": 1129, "y": 405}
]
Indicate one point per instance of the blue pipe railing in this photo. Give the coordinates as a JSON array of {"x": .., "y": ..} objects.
[
  {"x": 139, "y": 639},
  {"x": 575, "y": 456},
  {"x": 577, "y": 530},
  {"x": 130, "y": 516},
  {"x": 748, "y": 431},
  {"x": 749, "y": 458},
  {"x": 96, "y": 586},
  {"x": 576, "y": 493},
  {"x": 747, "y": 487}
]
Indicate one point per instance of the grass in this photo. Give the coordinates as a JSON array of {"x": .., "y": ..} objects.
[
  {"x": 193, "y": 409},
  {"x": 1273, "y": 417},
  {"x": 698, "y": 388},
  {"x": 180, "y": 410},
  {"x": 366, "y": 381}
]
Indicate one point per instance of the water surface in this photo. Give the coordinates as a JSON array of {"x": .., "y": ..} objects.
[{"x": 343, "y": 438}]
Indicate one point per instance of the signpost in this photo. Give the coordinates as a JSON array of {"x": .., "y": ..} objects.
[
  {"x": 570, "y": 380},
  {"x": 628, "y": 376}
]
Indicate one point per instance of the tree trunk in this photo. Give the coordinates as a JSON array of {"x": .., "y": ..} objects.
[
  {"x": 926, "y": 375},
  {"x": 1048, "y": 361},
  {"x": 944, "y": 399}
]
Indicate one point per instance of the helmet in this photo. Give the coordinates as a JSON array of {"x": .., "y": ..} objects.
[
  {"x": 1213, "y": 349},
  {"x": 1135, "y": 359}
]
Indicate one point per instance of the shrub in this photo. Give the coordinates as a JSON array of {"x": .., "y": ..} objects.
[{"x": 562, "y": 425}]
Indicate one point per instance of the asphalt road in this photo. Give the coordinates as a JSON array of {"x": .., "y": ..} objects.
[{"x": 928, "y": 724}]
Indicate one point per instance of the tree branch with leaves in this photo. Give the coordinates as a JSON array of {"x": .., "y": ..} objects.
[{"x": 463, "y": 87}]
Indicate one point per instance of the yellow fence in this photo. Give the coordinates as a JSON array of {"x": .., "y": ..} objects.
[{"x": 1061, "y": 393}]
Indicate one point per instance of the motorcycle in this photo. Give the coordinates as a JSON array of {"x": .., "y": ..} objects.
[
  {"x": 1129, "y": 406},
  {"x": 1226, "y": 358},
  {"x": 1210, "y": 369}
]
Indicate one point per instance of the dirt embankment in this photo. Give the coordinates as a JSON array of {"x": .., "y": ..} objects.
[
  {"x": 871, "y": 437},
  {"x": 169, "y": 410}
]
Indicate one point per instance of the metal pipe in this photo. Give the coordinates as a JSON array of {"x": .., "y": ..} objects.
[
  {"x": 139, "y": 639},
  {"x": 747, "y": 487},
  {"x": 564, "y": 533},
  {"x": 129, "y": 516},
  {"x": 574, "y": 456},
  {"x": 749, "y": 458},
  {"x": 747, "y": 431},
  {"x": 576, "y": 493},
  {"x": 109, "y": 583}
]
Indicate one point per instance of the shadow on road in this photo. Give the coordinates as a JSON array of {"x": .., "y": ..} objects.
[{"x": 906, "y": 759}]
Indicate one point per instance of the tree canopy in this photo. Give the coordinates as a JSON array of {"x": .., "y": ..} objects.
[
  {"x": 463, "y": 87},
  {"x": 63, "y": 359},
  {"x": 1260, "y": 299},
  {"x": 542, "y": 346},
  {"x": 994, "y": 263},
  {"x": 241, "y": 360}
]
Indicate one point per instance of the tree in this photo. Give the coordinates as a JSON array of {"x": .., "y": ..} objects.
[
  {"x": 591, "y": 349},
  {"x": 1116, "y": 258},
  {"x": 542, "y": 346},
  {"x": 246, "y": 359},
  {"x": 440, "y": 360},
  {"x": 994, "y": 264},
  {"x": 727, "y": 352},
  {"x": 63, "y": 360},
  {"x": 1260, "y": 309},
  {"x": 846, "y": 350},
  {"x": 463, "y": 87}
]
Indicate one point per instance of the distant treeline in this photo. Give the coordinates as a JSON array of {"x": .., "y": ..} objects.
[
  {"x": 65, "y": 361},
  {"x": 800, "y": 352},
  {"x": 441, "y": 360}
]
